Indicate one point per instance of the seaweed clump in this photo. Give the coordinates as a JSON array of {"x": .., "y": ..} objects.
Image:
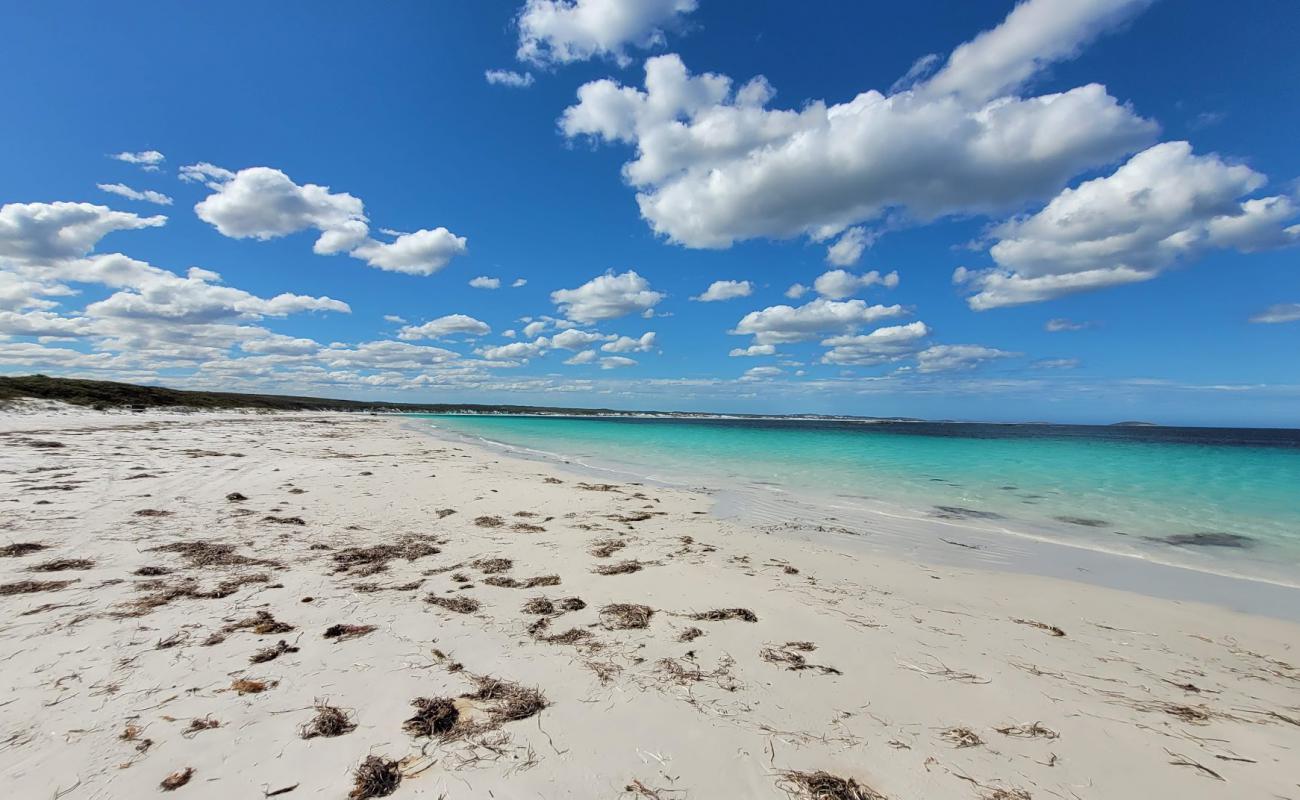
[
  {"x": 625, "y": 616},
  {"x": 328, "y": 722},
  {"x": 720, "y": 614},
  {"x": 375, "y": 777},
  {"x": 821, "y": 785}
]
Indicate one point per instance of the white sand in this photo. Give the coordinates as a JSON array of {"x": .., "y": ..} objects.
[{"x": 918, "y": 649}]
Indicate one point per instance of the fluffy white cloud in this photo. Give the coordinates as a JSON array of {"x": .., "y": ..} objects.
[
  {"x": 385, "y": 355},
  {"x": 608, "y": 296},
  {"x": 847, "y": 249},
  {"x": 626, "y": 344},
  {"x": 839, "y": 284},
  {"x": 779, "y": 324},
  {"x": 35, "y": 233},
  {"x": 443, "y": 327},
  {"x": 508, "y": 77},
  {"x": 753, "y": 350},
  {"x": 423, "y": 252},
  {"x": 278, "y": 345},
  {"x": 394, "y": 318},
  {"x": 1282, "y": 312},
  {"x": 148, "y": 195},
  {"x": 953, "y": 357},
  {"x": 563, "y": 31},
  {"x": 484, "y": 282},
  {"x": 518, "y": 283},
  {"x": 264, "y": 203},
  {"x": 796, "y": 291},
  {"x": 615, "y": 362},
  {"x": 725, "y": 290},
  {"x": 148, "y": 160},
  {"x": 878, "y": 347},
  {"x": 1163, "y": 207},
  {"x": 760, "y": 373},
  {"x": 532, "y": 329},
  {"x": 714, "y": 164},
  {"x": 585, "y": 357},
  {"x": 516, "y": 351},
  {"x": 574, "y": 339}
]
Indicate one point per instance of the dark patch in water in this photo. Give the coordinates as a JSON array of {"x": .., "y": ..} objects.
[
  {"x": 1087, "y": 522},
  {"x": 959, "y": 512},
  {"x": 1204, "y": 539}
]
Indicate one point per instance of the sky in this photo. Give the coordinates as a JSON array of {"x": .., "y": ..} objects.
[{"x": 1037, "y": 211}]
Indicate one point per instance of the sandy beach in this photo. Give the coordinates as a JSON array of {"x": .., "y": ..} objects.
[{"x": 258, "y": 605}]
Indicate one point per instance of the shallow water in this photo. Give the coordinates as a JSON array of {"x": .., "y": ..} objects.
[{"x": 1221, "y": 499}]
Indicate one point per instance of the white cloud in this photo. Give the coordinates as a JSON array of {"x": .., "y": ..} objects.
[
  {"x": 715, "y": 165},
  {"x": 796, "y": 291},
  {"x": 760, "y": 373},
  {"x": 1282, "y": 312},
  {"x": 444, "y": 327},
  {"x": 517, "y": 351},
  {"x": 264, "y": 203},
  {"x": 878, "y": 347},
  {"x": 385, "y": 355},
  {"x": 626, "y": 344},
  {"x": 519, "y": 282},
  {"x": 276, "y": 344},
  {"x": 753, "y": 350},
  {"x": 1163, "y": 207},
  {"x": 574, "y": 339},
  {"x": 846, "y": 250},
  {"x": 532, "y": 329},
  {"x": 585, "y": 357},
  {"x": 36, "y": 233},
  {"x": 423, "y": 252},
  {"x": 955, "y": 357},
  {"x": 484, "y": 282},
  {"x": 1056, "y": 363},
  {"x": 148, "y": 160},
  {"x": 508, "y": 77},
  {"x": 725, "y": 290},
  {"x": 394, "y": 318},
  {"x": 838, "y": 284},
  {"x": 608, "y": 296},
  {"x": 615, "y": 362},
  {"x": 148, "y": 195},
  {"x": 1060, "y": 324},
  {"x": 779, "y": 324},
  {"x": 564, "y": 31}
]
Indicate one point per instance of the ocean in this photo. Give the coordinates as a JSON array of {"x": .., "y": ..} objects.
[{"x": 1226, "y": 500}]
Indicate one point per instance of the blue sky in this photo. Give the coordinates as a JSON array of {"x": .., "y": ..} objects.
[{"x": 1035, "y": 212}]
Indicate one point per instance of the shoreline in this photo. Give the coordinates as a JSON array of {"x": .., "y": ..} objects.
[
  {"x": 911, "y": 534},
  {"x": 232, "y": 574}
]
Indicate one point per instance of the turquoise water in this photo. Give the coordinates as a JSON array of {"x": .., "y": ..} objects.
[{"x": 1195, "y": 496}]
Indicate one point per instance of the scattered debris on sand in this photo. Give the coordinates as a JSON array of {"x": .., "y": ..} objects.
[
  {"x": 604, "y": 548},
  {"x": 152, "y": 512},
  {"x": 434, "y": 716},
  {"x": 284, "y": 520},
  {"x": 506, "y": 582},
  {"x": 177, "y": 779},
  {"x": 489, "y": 522},
  {"x": 720, "y": 614},
  {"x": 19, "y": 549},
  {"x": 375, "y": 777},
  {"x": 363, "y": 561},
  {"x": 621, "y": 568},
  {"x": 248, "y": 686},
  {"x": 625, "y": 616},
  {"x": 62, "y": 564},
  {"x": 1043, "y": 626},
  {"x": 790, "y": 655},
  {"x": 271, "y": 653},
  {"x": 1031, "y": 731},
  {"x": 461, "y": 605},
  {"x": 490, "y": 566},
  {"x": 689, "y": 634},
  {"x": 825, "y": 786},
  {"x": 27, "y": 587},
  {"x": 961, "y": 737},
  {"x": 199, "y": 725},
  {"x": 235, "y": 497},
  {"x": 340, "y": 632},
  {"x": 262, "y": 623},
  {"x": 329, "y": 721}
]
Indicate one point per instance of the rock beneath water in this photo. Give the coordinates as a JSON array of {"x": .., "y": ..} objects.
[
  {"x": 958, "y": 512},
  {"x": 1087, "y": 522},
  {"x": 1204, "y": 539}
]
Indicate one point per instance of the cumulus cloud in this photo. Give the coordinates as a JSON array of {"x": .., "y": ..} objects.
[
  {"x": 839, "y": 284},
  {"x": 782, "y": 323},
  {"x": 35, "y": 233},
  {"x": 444, "y": 327},
  {"x": 714, "y": 164},
  {"x": 615, "y": 362},
  {"x": 761, "y": 373},
  {"x": 881, "y": 346},
  {"x": 585, "y": 357},
  {"x": 847, "y": 250},
  {"x": 148, "y": 160},
  {"x": 725, "y": 290},
  {"x": 264, "y": 203},
  {"x": 753, "y": 350},
  {"x": 796, "y": 291},
  {"x": 516, "y": 351},
  {"x": 608, "y": 296},
  {"x": 423, "y": 252},
  {"x": 626, "y": 344},
  {"x": 508, "y": 77},
  {"x": 484, "y": 282},
  {"x": 519, "y": 282},
  {"x": 148, "y": 195},
  {"x": 564, "y": 31},
  {"x": 1163, "y": 207},
  {"x": 957, "y": 357},
  {"x": 574, "y": 339},
  {"x": 1282, "y": 312}
]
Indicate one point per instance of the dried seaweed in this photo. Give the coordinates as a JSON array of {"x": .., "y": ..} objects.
[
  {"x": 375, "y": 777},
  {"x": 340, "y": 632},
  {"x": 625, "y": 616},
  {"x": 719, "y": 614},
  {"x": 328, "y": 722},
  {"x": 825, "y": 786},
  {"x": 460, "y": 605}
]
